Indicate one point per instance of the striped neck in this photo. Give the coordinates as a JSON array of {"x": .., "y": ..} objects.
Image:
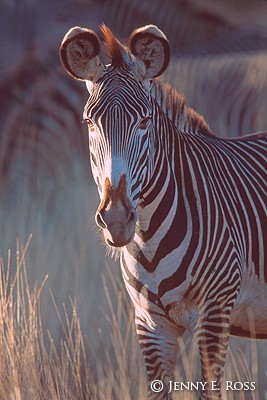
[
  {"x": 175, "y": 125},
  {"x": 172, "y": 119}
]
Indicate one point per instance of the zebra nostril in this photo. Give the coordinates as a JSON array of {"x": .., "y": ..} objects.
[
  {"x": 132, "y": 216},
  {"x": 100, "y": 220}
]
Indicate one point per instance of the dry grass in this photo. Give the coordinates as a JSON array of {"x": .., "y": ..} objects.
[{"x": 31, "y": 370}]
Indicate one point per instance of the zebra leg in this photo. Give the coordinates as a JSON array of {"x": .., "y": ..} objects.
[
  {"x": 158, "y": 342},
  {"x": 212, "y": 336}
]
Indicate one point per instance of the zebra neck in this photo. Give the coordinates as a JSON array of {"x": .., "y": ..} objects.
[
  {"x": 164, "y": 226},
  {"x": 162, "y": 208},
  {"x": 168, "y": 204}
]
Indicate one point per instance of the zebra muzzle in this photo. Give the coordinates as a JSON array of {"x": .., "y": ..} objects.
[
  {"x": 118, "y": 226},
  {"x": 116, "y": 216}
]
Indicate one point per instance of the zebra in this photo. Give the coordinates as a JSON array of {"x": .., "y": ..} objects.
[{"x": 186, "y": 208}]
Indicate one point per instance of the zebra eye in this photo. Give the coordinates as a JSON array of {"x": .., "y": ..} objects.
[
  {"x": 91, "y": 125},
  {"x": 144, "y": 122}
]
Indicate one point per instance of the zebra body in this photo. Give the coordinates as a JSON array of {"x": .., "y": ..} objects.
[
  {"x": 169, "y": 276},
  {"x": 187, "y": 208}
]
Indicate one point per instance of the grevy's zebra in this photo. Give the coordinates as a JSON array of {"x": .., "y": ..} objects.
[{"x": 187, "y": 208}]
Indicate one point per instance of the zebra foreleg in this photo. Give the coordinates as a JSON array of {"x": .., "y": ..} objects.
[
  {"x": 213, "y": 340},
  {"x": 158, "y": 342}
]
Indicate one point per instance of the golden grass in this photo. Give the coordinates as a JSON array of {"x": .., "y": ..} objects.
[
  {"x": 28, "y": 369},
  {"x": 31, "y": 370}
]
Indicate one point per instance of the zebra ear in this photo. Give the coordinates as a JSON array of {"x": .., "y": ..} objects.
[
  {"x": 79, "y": 53},
  {"x": 151, "y": 45}
]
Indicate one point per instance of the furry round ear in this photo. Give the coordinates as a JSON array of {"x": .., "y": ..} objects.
[
  {"x": 79, "y": 52},
  {"x": 151, "y": 45}
]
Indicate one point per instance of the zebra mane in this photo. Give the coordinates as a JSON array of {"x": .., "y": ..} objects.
[
  {"x": 175, "y": 107},
  {"x": 116, "y": 50}
]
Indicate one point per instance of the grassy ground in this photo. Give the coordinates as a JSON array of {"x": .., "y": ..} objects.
[{"x": 32, "y": 370}]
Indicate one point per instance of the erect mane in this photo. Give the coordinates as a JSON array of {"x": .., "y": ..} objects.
[
  {"x": 114, "y": 47},
  {"x": 175, "y": 107}
]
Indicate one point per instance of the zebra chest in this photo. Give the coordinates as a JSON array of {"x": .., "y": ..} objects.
[
  {"x": 148, "y": 289},
  {"x": 147, "y": 264}
]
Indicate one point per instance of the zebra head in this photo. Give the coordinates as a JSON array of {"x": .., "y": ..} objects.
[{"x": 119, "y": 114}]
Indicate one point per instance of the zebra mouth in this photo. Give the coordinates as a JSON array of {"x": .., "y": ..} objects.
[{"x": 118, "y": 243}]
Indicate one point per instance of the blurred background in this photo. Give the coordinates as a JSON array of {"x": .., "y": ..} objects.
[{"x": 219, "y": 61}]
